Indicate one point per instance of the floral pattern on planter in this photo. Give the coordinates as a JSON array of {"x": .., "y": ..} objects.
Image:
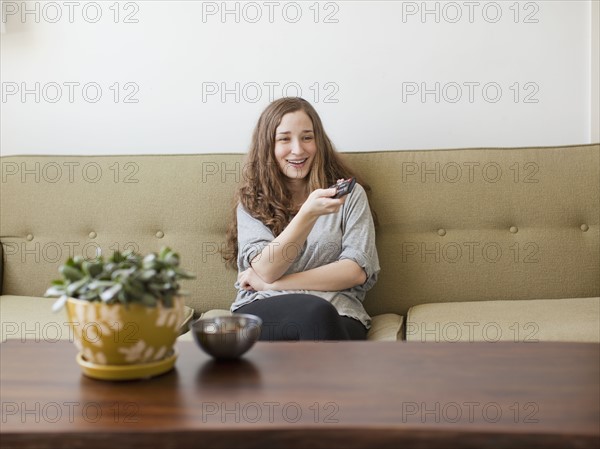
[{"x": 117, "y": 334}]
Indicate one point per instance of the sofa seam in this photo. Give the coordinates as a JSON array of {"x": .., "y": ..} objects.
[{"x": 548, "y": 147}]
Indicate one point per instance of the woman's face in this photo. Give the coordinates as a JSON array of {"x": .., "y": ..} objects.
[{"x": 295, "y": 145}]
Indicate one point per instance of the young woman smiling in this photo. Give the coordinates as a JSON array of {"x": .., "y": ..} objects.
[{"x": 305, "y": 260}]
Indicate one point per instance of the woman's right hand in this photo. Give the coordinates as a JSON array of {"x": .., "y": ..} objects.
[{"x": 320, "y": 202}]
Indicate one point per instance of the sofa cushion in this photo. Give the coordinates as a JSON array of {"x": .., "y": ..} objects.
[
  {"x": 384, "y": 327},
  {"x": 571, "y": 319},
  {"x": 30, "y": 318},
  {"x": 215, "y": 312}
]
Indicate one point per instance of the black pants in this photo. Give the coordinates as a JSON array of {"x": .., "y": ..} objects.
[{"x": 299, "y": 316}]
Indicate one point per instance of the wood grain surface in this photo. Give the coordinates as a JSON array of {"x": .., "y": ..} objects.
[{"x": 311, "y": 394}]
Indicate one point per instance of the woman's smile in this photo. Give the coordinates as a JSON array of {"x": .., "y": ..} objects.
[{"x": 295, "y": 145}]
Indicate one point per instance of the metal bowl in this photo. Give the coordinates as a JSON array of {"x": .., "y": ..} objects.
[{"x": 226, "y": 337}]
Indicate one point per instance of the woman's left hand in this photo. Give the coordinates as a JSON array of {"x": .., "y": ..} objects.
[{"x": 251, "y": 281}]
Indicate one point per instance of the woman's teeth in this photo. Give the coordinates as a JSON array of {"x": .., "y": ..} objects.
[{"x": 297, "y": 162}]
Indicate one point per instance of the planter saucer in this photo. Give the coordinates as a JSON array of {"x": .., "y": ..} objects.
[{"x": 127, "y": 372}]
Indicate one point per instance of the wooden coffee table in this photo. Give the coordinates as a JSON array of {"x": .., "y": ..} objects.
[{"x": 311, "y": 394}]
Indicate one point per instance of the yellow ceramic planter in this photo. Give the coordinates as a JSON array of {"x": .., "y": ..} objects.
[{"x": 115, "y": 334}]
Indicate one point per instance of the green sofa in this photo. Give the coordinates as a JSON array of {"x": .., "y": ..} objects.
[{"x": 487, "y": 244}]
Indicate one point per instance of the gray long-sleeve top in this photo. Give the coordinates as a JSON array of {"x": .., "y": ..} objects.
[{"x": 346, "y": 234}]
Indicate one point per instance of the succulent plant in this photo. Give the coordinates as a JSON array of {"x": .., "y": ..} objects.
[{"x": 124, "y": 278}]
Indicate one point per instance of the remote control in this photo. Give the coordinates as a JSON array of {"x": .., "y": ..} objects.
[{"x": 343, "y": 187}]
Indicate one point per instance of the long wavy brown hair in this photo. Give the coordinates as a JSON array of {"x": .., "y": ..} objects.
[{"x": 263, "y": 191}]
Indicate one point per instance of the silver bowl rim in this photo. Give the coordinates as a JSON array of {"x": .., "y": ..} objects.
[{"x": 195, "y": 324}]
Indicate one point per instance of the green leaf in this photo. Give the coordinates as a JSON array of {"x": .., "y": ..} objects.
[
  {"x": 93, "y": 269},
  {"x": 59, "y": 304},
  {"x": 149, "y": 300},
  {"x": 184, "y": 274},
  {"x": 172, "y": 259},
  {"x": 123, "y": 273},
  {"x": 71, "y": 273},
  {"x": 146, "y": 275},
  {"x": 163, "y": 252},
  {"x": 90, "y": 295},
  {"x": 116, "y": 257},
  {"x": 150, "y": 258},
  {"x": 55, "y": 291},
  {"x": 109, "y": 294},
  {"x": 72, "y": 288}
]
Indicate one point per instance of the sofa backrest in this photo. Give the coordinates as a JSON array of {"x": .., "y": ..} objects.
[{"x": 454, "y": 225}]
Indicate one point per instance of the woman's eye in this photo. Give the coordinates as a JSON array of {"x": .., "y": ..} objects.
[{"x": 308, "y": 137}]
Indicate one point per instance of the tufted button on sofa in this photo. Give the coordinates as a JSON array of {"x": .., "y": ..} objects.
[{"x": 488, "y": 244}]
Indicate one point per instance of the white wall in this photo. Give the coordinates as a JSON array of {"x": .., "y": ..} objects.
[
  {"x": 595, "y": 72},
  {"x": 358, "y": 64}
]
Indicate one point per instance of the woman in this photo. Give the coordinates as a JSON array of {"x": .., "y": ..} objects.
[{"x": 305, "y": 260}]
